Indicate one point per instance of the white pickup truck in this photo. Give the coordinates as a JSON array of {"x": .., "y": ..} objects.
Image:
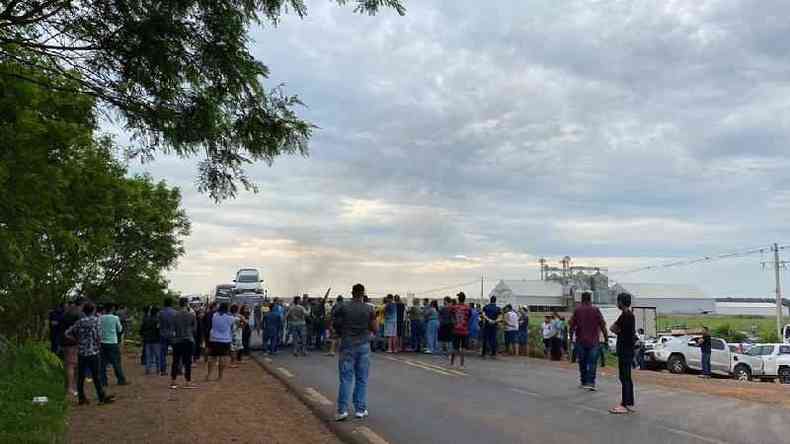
[
  {"x": 682, "y": 353},
  {"x": 764, "y": 361}
]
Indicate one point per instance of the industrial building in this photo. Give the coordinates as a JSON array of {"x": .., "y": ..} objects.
[
  {"x": 539, "y": 296},
  {"x": 560, "y": 288},
  {"x": 668, "y": 298}
]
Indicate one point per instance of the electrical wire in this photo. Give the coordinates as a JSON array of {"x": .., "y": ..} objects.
[
  {"x": 448, "y": 287},
  {"x": 686, "y": 262}
]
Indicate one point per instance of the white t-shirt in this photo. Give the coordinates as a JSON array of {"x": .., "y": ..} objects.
[
  {"x": 511, "y": 321},
  {"x": 548, "y": 331}
]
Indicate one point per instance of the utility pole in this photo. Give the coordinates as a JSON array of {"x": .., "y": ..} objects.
[{"x": 777, "y": 270}]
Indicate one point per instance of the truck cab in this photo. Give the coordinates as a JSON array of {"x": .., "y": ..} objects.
[
  {"x": 683, "y": 353},
  {"x": 248, "y": 280},
  {"x": 764, "y": 361}
]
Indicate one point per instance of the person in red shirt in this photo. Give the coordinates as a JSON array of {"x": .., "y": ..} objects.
[
  {"x": 587, "y": 324},
  {"x": 461, "y": 314}
]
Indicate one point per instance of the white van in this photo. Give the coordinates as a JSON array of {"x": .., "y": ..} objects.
[{"x": 248, "y": 280}]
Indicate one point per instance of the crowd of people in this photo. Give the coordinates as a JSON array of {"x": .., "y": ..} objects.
[{"x": 90, "y": 337}]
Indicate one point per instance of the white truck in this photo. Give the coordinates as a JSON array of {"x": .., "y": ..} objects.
[
  {"x": 763, "y": 361},
  {"x": 682, "y": 353}
]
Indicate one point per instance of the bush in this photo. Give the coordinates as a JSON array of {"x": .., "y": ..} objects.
[
  {"x": 27, "y": 371},
  {"x": 769, "y": 335}
]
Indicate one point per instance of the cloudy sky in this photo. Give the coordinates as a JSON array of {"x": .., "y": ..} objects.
[{"x": 471, "y": 138}]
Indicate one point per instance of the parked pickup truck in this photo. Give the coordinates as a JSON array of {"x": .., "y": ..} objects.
[
  {"x": 682, "y": 353},
  {"x": 764, "y": 361}
]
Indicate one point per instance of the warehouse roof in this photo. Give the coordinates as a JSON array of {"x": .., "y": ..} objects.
[
  {"x": 662, "y": 291},
  {"x": 529, "y": 288}
]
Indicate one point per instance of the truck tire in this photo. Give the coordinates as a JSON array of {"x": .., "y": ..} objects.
[
  {"x": 784, "y": 375},
  {"x": 676, "y": 364},
  {"x": 742, "y": 373}
]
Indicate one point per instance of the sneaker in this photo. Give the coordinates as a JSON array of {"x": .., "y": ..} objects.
[
  {"x": 124, "y": 383},
  {"x": 361, "y": 415},
  {"x": 173, "y": 386},
  {"x": 583, "y": 386},
  {"x": 107, "y": 400},
  {"x": 83, "y": 402},
  {"x": 591, "y": 388},
  {"x": 341, "y": 416}
]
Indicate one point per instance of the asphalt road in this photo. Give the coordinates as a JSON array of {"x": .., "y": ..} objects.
[{"x": 419, "y": 399}]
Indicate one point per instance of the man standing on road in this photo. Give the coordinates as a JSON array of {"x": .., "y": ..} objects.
[
  {"x": 184, "y": 327},
  {"x": 272, "y": 325},
  {"x": 334, "y": 338},
  {"x": 355, "y": 322},
  {"x": 461, "y": 316},
  {"x": 705, "y": 349},
  {"x": 491, "y": 315},
  {"x": 587, "y": 325},
  {"x": 548, "y": 334},
  {"x": 86, "y": 333},
  {"x": 416, "y": 320},
  {"x": 400, "y": 310},
  {"x": 297, "y": 326},
  {"x": 166, "y": 332},
  {"x": 111, "y": 330},
  {"x": 625, "y": 329}
]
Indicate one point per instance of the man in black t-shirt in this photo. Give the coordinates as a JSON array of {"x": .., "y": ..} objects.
[
  {"x": 625, "y": 329},
  {"x": 706, "y": 349}
]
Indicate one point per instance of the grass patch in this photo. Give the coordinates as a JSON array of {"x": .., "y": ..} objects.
[
  {"x": 27, "y": 371},
  {"x": 763, "y": 327}
]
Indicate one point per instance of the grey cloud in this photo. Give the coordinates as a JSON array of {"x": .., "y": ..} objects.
[{"x": 518, "y": 128}]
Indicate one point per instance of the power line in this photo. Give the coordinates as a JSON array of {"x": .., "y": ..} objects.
[
  {"x": 447, "y": 288},
  {"x": 686, "y": 262}
]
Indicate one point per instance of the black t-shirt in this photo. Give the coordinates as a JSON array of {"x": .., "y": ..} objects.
[
  {"x": 705, "y": 346},
  {"x": 401, "y": 309},
  {"x": 626, "y": 338}
]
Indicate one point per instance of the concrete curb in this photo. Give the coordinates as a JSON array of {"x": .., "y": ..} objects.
[{"x": 345, "y": 431}]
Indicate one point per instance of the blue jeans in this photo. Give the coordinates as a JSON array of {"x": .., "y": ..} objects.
[
  {"x": 298, "y": 335},
  {"x": 163, "y": 344},
  {"x": 489, "y": 340},
  {"x": 353, "y": 366},
  {"x": 706, "y": 364},
  {"x": 588, "y": 362},
  {"x": 432, "y": 335},
  {"x": 270, "y": 341},
  {"x": 152, "y": 355},
  {"x": 416, "y": 334}
]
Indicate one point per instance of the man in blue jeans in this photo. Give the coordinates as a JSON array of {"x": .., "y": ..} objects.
[
  {"x": 166, "y": 332},
  {"x": 491, "y": 314},
  {"x": 354, "y": 322},
  {"x": 587, "y": 324}
]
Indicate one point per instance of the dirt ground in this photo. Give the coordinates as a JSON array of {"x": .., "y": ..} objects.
[
  {"x": 247, "y": 406},
  {"x": 764, "y": 392}
]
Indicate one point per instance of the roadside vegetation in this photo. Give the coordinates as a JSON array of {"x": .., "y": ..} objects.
[
  {"x": 732, "y": 328},
  {"x": 28, "y": 371}
]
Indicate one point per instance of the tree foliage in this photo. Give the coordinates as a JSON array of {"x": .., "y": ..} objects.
[
  {"x": 179, "y": 73},
  {"x": 69, "y": 214}
]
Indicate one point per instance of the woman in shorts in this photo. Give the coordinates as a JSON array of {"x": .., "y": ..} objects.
[{"x": 219, "y": 340}]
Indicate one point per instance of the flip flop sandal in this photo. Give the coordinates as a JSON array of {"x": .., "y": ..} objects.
[{"x": 619, "y": 410}]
